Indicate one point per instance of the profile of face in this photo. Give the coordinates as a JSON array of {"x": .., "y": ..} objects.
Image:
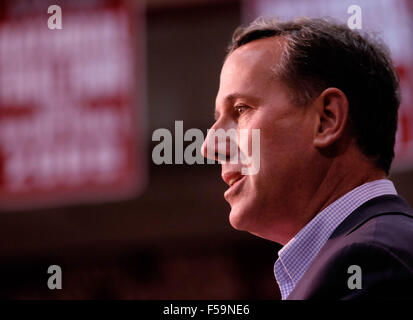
[{"x": 250, "y": 97}]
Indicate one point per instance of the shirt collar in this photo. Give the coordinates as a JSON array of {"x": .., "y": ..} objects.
[{"x": 297, "y": 255}]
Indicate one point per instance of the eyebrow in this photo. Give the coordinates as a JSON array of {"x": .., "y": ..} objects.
[{"x": 234, "y": 96}]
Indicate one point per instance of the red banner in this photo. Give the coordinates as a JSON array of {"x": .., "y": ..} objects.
[{"x": 68, "y": 105}]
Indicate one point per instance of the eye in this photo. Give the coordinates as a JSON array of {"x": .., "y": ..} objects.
[{"x": 240, "y": 109}]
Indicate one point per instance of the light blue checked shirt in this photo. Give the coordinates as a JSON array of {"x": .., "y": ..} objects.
[{"x": 298, "y": 254}]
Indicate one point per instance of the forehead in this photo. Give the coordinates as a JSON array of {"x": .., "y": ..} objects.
[{"x": 250, "y": 68}]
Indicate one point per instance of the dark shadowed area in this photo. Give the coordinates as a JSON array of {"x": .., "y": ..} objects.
[{"x": 173, "y": 240}]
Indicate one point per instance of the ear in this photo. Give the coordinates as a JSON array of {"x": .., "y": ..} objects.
[{"x": 332, "y": 115}]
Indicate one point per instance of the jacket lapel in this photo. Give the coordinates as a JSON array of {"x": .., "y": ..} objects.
[{"x": 312, "y": 278}]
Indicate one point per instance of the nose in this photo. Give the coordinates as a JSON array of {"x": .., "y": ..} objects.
[{"x": 219, "y": 142}]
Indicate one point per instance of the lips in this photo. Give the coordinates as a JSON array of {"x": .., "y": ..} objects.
[
  {"x": 235, "y": 182},
  {"x": 231, "y": 177}
]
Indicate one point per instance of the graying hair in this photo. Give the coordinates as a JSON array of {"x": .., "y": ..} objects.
[{"x": 321, "y": 53}]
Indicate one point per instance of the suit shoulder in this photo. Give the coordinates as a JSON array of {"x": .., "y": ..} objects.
[
  {"x": 380, "y": 246},
  {"x": 385, "y": 229},
  {"x": 392, "y": 233}
]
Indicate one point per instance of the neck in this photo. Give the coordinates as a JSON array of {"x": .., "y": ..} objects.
[
  {"x": 342, "y": 176},
  {"x": 336, "y": 184}
]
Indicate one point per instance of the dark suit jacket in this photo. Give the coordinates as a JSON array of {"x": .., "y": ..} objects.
[{"x": 378, "y": 237}]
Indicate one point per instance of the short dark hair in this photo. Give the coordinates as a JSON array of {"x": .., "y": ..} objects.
[{"x": 321, "y": 53}]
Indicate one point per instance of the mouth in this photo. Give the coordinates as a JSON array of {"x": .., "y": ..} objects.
[
  {"x": 232, "y": 181},
  {"x": 235, "y": 185}
]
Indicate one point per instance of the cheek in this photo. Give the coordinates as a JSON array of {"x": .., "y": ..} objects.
[
  {"x": 277, "y": 144},
  {"x": 283, "y": 149}
]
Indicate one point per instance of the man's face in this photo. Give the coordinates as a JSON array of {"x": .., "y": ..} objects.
[{"x": 249, "y": 97}]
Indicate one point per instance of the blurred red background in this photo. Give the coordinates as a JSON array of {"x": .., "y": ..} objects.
[{"x": 77, "y": 184}]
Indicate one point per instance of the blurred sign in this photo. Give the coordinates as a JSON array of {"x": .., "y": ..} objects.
[
  {"x": 392, "y": 19},
  {"x": 68, "y": 112}
]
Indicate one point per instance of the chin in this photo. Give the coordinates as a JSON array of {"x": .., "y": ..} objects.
[
  {"x": 244, "y": 218},
  {"x": 240, "y": 219}
]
